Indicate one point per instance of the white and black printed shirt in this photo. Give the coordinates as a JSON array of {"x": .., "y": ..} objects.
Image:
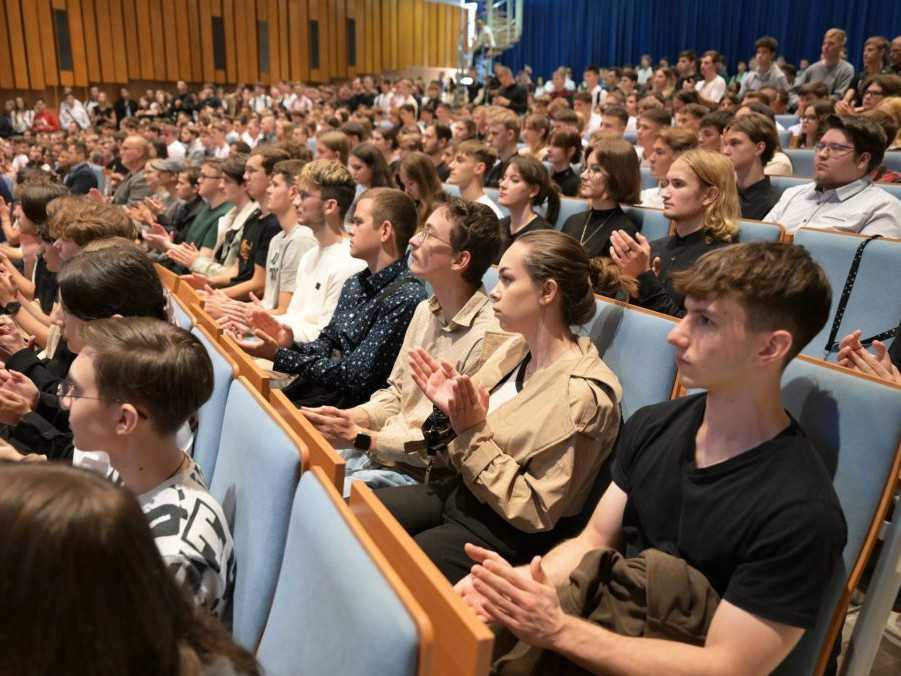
[{"x": 192, "y": 534}]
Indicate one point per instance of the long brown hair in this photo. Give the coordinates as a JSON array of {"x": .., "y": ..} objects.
[
  {"x": 84, "y": 589},
  {"x": 419, "y": 168},
  {"x": 534, "y": 174},
  {"x": 372, "y": 157}
]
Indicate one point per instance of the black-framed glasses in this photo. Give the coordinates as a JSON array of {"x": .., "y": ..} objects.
[{"x": 834, "y": 148}]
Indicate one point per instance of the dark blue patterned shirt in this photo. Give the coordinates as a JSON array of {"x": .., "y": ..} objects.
[{"x": 357, "y": 349}]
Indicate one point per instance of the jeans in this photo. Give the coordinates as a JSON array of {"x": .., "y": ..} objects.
[{"x": 360, "y": 467}]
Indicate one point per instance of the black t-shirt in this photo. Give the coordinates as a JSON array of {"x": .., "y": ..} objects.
[
  {"x": 518, "y": 97},
  {"x": 757, "y": 200},
  {"x": 258, "y": 232},
  {"x": 568, "y": 181},
  {"x": 443, "y": 172},
  {"x": 496, "y": 173},
  {"x": 45, "y": 285},
  {"x": 764, "y": 527},
  {"x": 507, "y": 238},
  {"x": 593, "y": 228}
]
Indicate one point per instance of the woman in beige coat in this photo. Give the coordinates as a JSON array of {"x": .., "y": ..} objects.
[{"x": 529, "y": 432}]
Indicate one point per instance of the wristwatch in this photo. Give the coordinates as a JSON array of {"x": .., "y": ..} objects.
[
  {"x": 12, "y": 308},
  {"x": 363, "y": 442}
]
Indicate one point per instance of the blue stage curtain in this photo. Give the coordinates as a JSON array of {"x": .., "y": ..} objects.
[{"x": 577, "y": 33}]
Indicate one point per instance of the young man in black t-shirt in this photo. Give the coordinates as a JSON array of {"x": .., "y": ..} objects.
[{"x": 724, "y": 480}]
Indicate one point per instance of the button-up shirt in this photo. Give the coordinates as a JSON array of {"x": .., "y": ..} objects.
[
  {"x": 399, "y": 410},
  {"x": 357, "y": 349},
  {"x": 859, "y": 206}
]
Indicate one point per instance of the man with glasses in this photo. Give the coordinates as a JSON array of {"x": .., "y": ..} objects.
[
  {"x": 384, "y": 436},
  {"x": 842, "y": 196}
]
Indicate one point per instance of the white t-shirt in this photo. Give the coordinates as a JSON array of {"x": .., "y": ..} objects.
[
  {"x": 650, "y": 197},
  {"x": 321, "y": 274},
  {"x": 285, "y": 252},
  {"x": 713, "y": 90},
  {"x": 487, "y": 201}
]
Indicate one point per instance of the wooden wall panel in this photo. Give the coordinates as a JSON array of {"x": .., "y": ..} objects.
[
  {"x": 130, "y": 36},
  {"x": 339, "y": 44},
  {"x": 170, "y": 34},
  {"x": 183, "y": 40},
  {"x": 47, "y": 42},
  {"x": 284, "y": 50},
  {"x": 275, "y": 52},
  {"x": 33, "y": 45},
  {"x": 7, "y": 81},
  {"x": 90, "y": 34},
  {"x": 144, "y": 38},
  {"x": 76, "y": 35},
  {"x": 231, "y": 57},
  {"x": 103, "y": 43},
  {"x": 157, "y": 40},
  {"x": 216, "y": 11},
  {"x": 206, "y": 40},
  {"x": 17, "y": 43},
  {"x": 196, "y": 41},
  {"x": 299, "y": 44},
  {"x": 240, "y": 45}
]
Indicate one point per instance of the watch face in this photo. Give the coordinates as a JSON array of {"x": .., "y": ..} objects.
[{"x": 363, "y": 442}]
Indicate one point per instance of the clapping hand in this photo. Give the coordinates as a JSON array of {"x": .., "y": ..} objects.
[{"x": 464, "y": 402}]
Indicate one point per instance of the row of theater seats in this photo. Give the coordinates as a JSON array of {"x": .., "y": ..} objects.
[{"x": 324, "y": 587}]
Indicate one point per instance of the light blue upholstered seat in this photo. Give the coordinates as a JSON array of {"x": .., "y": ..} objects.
[
  {"x": 653, "y": 224},
  {"x": 256, "y": 475},
  {"x": 209, "y": 428},
  {"x": 334, "y": 612}
]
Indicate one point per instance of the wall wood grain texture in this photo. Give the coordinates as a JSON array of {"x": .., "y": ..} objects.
[{"x": 114, "y": 41}]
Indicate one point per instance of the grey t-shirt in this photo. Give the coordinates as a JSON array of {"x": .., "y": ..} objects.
[{"x": 285, "y": 251}]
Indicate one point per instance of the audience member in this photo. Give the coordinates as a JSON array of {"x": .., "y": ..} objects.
[
  {"x": 670, "y": 143},
  {"x": 611, "y": 178},
  {"x": 752, "y": 308},
  {"x": 526, "y": 185},
  {"x": 451, "y": 253},
  {"x": 510, "y": 94},
  {"x": 701, "y": 201},
  {"x": 419, "y": 179},
  {"x": 842, "y": 197},
  {"x": 495, "y": 427},
  {"x": 67, "y": 529},
  {"x": 134, "y": 155},
  {"x": 710, "y": 133},
  {"x": 749, "y": 143},
  {"x": 564, "y": 151},
  {"x": 767, "y": 72},
  {"x": 436, "y": 139},
  {"x": 79, "y": 178},
  {"x": 713, "y": 86},
  {"x": 535, "y": 130},
  {"x": 471, "y": 162},
  {"x": 650, "y": 122},
  {"x": 831, "y": 69},
  {"x": 813, "y": 123},
  {"x": 503, "y": 135}
]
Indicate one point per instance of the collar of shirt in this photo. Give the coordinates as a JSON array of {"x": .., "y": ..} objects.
[
  {"x": 466, "y": 315},
  {"x": 373, "y": 283},
  {"x": 694, "y": 238},
  {"x": 840, "y": 194},
  {"x": 755, "y": 188}
]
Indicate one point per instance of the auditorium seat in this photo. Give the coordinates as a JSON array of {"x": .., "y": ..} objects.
[
  {"x": 652, "y": 222},
  {"x": 489, "y": 279},
  {"x": 647, "y": 179},
  {"x": 631, "y": 137},
  {"x": 759, "y": 231},
  {"x": 451, "y": 189},
  {"x": 338, "y": 607},
  {"x": 632, "y": 342},
  {"x": 210, "y": 415},
  {"x": 568, "y": 207},
  {"x": 787, "y": 121},
  {"x": 855, "y": 423},
  {"x": 462, "y": 642},
  {"x": 181, "y": 316},
  {"x": 802, "y": 160},
  {"x": 782, "y": 183},
  {"x": 784, "y": 137},
  {"x": 257, "y": 470},
  {"x": 874, "y": 305},
  {"x": 892, "y": 160}
]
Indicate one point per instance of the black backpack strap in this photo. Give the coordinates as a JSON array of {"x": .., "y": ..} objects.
[{"x": 831, "y": 345}]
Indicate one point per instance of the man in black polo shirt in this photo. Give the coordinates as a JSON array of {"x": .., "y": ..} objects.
[
  {"x": 749, "y": 142},
  {"x": 510, "y": 95},
  {"x": 725, "y": 481}
]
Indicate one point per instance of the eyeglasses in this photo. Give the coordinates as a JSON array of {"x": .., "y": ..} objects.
[
  {"x": 66, "y": 390},
  {"x": 427, "y": 231},
  {"x": 874, "y": 92},
  {"x": 834, "y": 148}
]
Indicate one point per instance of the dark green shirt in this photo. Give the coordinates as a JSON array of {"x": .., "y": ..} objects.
[{"x": 203, "y": 231}]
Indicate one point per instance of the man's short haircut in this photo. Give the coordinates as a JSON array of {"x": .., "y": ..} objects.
[
  {"x": 333, "y": 180},
  {"x": 618, "y": 112},
  {"x": 443, "y": 132},
  {"x": 396, "y": 206},
  {"x": 289, "y": 170},
  {"x": 688, "y": 54},
  {"x": 816, "y": 89},
  {"x": 233, "y": 168},
  {"x": 192, "y": 174},
  {"x": 270, "y": 155},
  {"x": 34, "y": 198},
  {"x": 80, "y": 148},
  {"x": 630, "y": 74},
  {"x": 593, "y": 69},
  {"x": 713, "y": 54},
  {"x": 758, "y": 129},
  {"x": 696, "y": 110},
  {"x": 158, "y": 367},
  {"x": 618, "y": 159},
  {"x": 337, "y": 142},
  {"x": 678, "y": 139},
  {"x": 566, "y": 139},
  {"x": 866, "y": 135},
  {"x": 568, "y": 116},
  {"x": 779, "y": 285},
  {"x": 718, "y": 119},
  {"x": 687, "y": 96},
  {"x": 476, "y": 229},
  {"x": 111, "y": 280},
  {"x": 659, "y": 116},
  {"x": 768, "y": 43},
  {"x": 760, "y": 109},
  {"x": 82, "y": 220},
  {"x": 506, "y": 117},
  {"x": 583, "y": 97},
  {"x": 479, "y": 152}
]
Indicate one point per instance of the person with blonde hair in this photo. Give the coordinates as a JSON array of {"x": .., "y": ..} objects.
[
  {"x": 831, "y": 69},
  {"x": 536, "y": 130},
  {"x": 333, "y": 145},
  {"x": 669, "y": 144},
  {"x": 420, "y": 180},
  {"x": 701, "y": 200}
]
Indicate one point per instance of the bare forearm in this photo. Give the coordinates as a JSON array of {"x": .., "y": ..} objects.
[
  {"x": 565, "y": 557},
  {"x": 603, "y": 652}
]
